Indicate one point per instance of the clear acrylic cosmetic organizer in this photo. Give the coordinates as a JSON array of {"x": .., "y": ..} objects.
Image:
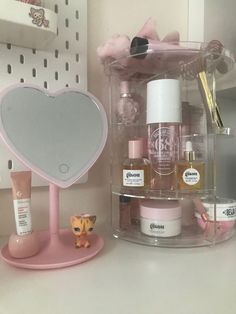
[{"x": 156, "y": 212}]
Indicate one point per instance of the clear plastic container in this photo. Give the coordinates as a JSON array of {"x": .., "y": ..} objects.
[{"x": 178, "y": 122}]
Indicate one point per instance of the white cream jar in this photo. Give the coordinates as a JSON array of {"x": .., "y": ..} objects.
[{"x": 160, "y": 218}]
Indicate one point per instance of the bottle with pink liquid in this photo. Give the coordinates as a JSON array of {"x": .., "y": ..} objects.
[{"x": 164, "y": 116}]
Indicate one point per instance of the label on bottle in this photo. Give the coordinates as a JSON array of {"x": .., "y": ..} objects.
[
  {"x": 222, "y": 214},
  {"x": 22, "y": 216},
  {"x": 160, "y": 228},
  {"x": 133, "y": 178},
  {"x": 191, "y": 176},
  {"x": 220, "y": 211},
  {"x": 163, "y": 149}
]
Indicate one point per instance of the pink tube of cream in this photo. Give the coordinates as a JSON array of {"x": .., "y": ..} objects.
[
  {"x": 21, "y": 190},
  {"x": 25, "y": 242}
]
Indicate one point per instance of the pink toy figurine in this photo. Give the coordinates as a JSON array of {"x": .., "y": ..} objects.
[{"x": 82, "y": 225}]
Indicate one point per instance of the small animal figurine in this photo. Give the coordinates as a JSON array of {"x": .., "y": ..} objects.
[
  {"x": 38, "y": 17},
  {"x": 82, "y": 225}
]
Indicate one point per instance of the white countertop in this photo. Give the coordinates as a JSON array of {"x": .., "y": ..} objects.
[{"x": 126, "y": 278}]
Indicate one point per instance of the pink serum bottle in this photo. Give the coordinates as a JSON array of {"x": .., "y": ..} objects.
[
  {"x": 136, "y": 169},
  {"x": 164, "y": 115}
]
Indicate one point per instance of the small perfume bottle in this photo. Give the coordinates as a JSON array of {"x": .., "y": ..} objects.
[
  {"x": 136, "y": 169},
  {"x": 190, "y": 173},
  {"x": 127, "y": 109}
]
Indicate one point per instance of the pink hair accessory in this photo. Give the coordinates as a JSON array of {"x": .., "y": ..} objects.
[
  {"x": 146, "y": 54},
  {"x": 118, "y": 46},
  {"x": 149, "y": 30},
  {"x": 172, "y": 37},
  {"x": 114, "y": 48}
]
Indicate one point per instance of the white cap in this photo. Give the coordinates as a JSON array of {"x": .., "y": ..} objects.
[{"x": 163, "y": 101}]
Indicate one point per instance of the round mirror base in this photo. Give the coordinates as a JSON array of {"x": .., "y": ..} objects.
[{"x": 56, "y": 252}]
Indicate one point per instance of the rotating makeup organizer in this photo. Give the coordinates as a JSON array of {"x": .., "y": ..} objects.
[
  {"x": 164, "y": 123},
  {"x": 47, "y": 133}
]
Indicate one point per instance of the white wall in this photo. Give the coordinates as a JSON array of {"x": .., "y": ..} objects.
[
  {"x": 220, "y": 22},
  {"x": 105, "y": 18}
]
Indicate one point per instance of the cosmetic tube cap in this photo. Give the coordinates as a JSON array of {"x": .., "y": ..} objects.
[
  {"x": 135, "y": 149},
  {"x": 163, "y": 101}
]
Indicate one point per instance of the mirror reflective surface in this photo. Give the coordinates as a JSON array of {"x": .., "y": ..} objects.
[{"x": 59, "y": 136}]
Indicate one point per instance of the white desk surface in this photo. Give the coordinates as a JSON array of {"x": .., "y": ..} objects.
[{"x": 126, "y": 278}]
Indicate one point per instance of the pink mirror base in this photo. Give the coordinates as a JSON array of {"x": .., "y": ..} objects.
[{"x": 56, "y": 252}]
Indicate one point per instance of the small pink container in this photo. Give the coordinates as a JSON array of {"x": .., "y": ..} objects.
[{"x": 160, "y": 218}]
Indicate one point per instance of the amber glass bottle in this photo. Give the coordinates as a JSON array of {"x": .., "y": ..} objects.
[
  {"x": 136, "y": 169},
  {"x": 190, "y": 173}
]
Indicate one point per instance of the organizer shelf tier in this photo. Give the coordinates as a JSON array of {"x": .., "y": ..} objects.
[
  {"x": 26, "y": 25},
  {"x": 164, "y": 124}
]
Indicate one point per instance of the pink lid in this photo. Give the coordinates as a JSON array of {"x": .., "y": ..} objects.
[
  {"x": 160, "y": 209},
  {"x": 144, "y": 141},
  {"x": 136, "y": 149}
]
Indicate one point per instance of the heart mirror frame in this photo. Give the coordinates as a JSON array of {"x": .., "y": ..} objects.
[
  {"x": 56, "y": 245},
  {"x": 21, "y": 135}
]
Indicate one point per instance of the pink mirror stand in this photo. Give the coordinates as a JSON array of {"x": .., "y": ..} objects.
[{"x": 56, "y": 246}]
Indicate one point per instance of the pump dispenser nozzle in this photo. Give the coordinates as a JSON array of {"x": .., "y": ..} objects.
[{"x": 189, "y": 153}]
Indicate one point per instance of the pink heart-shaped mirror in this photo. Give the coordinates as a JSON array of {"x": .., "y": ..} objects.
[{"x": 58, "y": 136}]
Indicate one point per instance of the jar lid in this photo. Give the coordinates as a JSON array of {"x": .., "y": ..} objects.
[{"x": 160, "y": 209}]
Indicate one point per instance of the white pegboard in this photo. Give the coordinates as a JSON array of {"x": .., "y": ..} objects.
[{"x": 62, "y": 64}]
